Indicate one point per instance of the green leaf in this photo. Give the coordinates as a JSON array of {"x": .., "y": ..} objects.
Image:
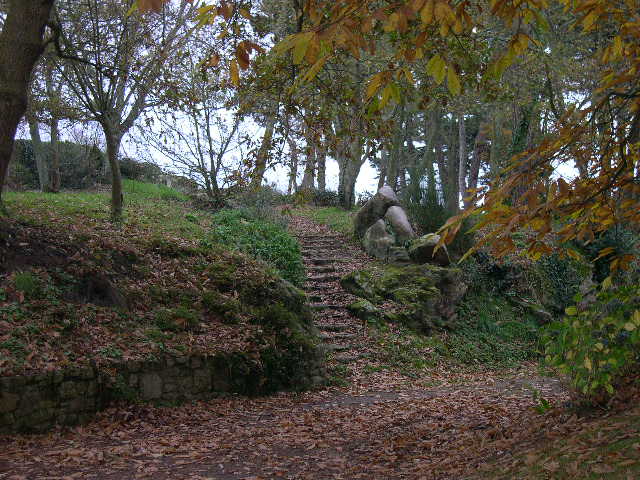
[{"x": 571, "y": 311}]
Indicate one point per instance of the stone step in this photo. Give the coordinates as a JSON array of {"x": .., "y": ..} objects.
[
  {"x": 326, "y": 306},
  {"x": 323, "y": 278},
  {"x": 333, "y": 327},
  {"x": 322, "y": 261},
  {"x": 323, "y": 269},
  {"x": 346, "y": 358},
  {"x": 335, "y": 347},
  {"x": 337, "y": 336},
  {"x": 320, "y": 287},
  {"x": 311, "y": 238}
]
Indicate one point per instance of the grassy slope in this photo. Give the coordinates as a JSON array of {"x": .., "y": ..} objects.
[{"x": 182, "y": 294}]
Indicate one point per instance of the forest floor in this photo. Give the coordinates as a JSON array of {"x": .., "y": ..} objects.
[{"x": 380, "y": 419}]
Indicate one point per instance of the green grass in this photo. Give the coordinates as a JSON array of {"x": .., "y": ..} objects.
[
  {"x": 335, "y": 218},
  {"x": 490, "y": 335},
  {"x": 239, "y": 229},
  {"x": 148, "y": 206},
  {"x": 151, "y": 190}
]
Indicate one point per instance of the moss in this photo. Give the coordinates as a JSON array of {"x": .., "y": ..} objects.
[
  {"x": 361, "y": 283},
  {"x": 228, "y": 308},
  {"x": 177, "y": 319},
  {"x": 366, "y": 311},
  {"x": 425, "y": 295}
]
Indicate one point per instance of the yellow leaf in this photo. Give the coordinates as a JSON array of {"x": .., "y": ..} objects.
[
  {"x": 588, "y": 21},
  {"x": 426, "y": 14},
  {"x": 437, "y": 68},
  {"x": 374, "y": 85},
  {"x": 599, "y": 346},
  {"x": 300, "y": 47},
  {"x": 453, "y": 81},
  {"x": 245, "y": 13},
  {"x": 630, "y": 327},
  {"x": 606, "y": 283},
  {"x": 409, "y": 76},
  {"x": 587, "y": 364},
  {"x": 235, "y": 73},
  {"x": 571, "y": 311},
  {"x": 313, "y": 71}
]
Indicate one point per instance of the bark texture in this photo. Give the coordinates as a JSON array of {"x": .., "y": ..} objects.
[{"x": 21, "y": 44}]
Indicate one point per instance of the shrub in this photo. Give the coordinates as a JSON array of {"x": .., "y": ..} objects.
[
  {"x": 27, "y": 283},
  {"x": 325, "y": 198},
  {"x": 598, "y": 340},
  {"x": 621, "y": 240},
  {"x": 261, "y": 238}
]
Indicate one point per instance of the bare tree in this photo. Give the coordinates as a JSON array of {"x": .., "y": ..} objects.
[{"x": 123, "y": 59}]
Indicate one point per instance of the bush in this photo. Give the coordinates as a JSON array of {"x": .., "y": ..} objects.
[
  {"x": 325, "y": 198},
  {"x": 264, "y": 239},
  {"x": 80, "y": 165},
  {"x": 141, "y": 171},
  {"x": 621, "y": 240},
  {"x": 597, "y": 342}
]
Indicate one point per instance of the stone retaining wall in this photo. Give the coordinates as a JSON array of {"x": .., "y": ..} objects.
[{"x": 37, "y": 403}]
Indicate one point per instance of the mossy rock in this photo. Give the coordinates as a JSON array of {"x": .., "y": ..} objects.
[
  {"x": 426, "y": 296},
  {"x": 366, "y": 311}
]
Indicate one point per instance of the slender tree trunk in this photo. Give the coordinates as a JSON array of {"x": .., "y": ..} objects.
[
  {"x": 39, "y": 153},
  {"x": 309, "y": 168},
  {"x": 21, "y": 44},
  {"x": 54, "y": 166},
  {"x": 462, "y": 156},
  {"x": 263, "y": 152},
  {"x": 114, "y": 138},
  {"x": 321, "y": 164},
  {"x": 480, "y": 154},
  {"x": 293, "y": 168}
]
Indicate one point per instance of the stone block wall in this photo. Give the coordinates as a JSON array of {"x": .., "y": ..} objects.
[{"x": 36, "y": 403}]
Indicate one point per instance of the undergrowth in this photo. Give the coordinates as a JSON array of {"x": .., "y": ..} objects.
[
  {"x": 239, "y": 229},
  {"x": 491, "y": 335}
]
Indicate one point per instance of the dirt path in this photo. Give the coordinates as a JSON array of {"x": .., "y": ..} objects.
[{"x": 382, "y": 425}]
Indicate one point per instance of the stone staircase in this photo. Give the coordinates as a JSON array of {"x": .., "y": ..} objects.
[{"x": 328, "y": 257}]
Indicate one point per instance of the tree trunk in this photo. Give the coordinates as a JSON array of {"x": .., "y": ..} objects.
[
  {"x": 293, "y": 166},
  {"x": 21, "y": 43},
  {"x": 309, "y": 168},
  {"x": 480, "y": 154},
  {"x": 321, "y": 164},
  {"x": 263, "y": 152},
  {"x": 462, "y": 156},
  {"x": 38, "y": 153},
  {"x": 114, "y": 138},
  {"x": 54, "y": 166}
]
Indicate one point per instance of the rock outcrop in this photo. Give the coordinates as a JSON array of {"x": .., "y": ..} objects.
[
  {"x": 424, "y": 297},
  {"x": 386, "y": 233},
  {"x": 374, "y": 210},
  {"x": 421, "y": 251}
]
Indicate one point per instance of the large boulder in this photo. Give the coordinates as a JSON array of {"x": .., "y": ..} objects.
[
  {"x": 424, "y": 296},
  {"x": 374, "y": 210},
  {"x": 377, "y": 240},
  {"x": 397, "y": 219},
  {"x": 421, "y": 251}
]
